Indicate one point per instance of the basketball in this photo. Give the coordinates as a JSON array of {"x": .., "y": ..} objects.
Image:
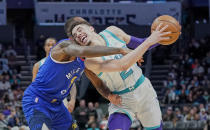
[{"x": 173, "y": 26}]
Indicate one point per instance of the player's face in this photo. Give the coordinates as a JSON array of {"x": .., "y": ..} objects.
[
  {"x": 50, "y": 43},
  {"x": 82, "y": 34}
]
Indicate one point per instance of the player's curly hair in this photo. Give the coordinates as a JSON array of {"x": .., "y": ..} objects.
[{"x": 72, "y": 22}]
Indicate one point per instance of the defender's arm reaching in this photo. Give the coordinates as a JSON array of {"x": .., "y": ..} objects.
[
  {"x": 69, "y": 48},
  {"x": 102, "y": 88}
]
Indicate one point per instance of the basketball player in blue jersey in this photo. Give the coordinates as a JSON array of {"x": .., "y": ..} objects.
[
  {"x": 42, "y": 100},
  {"x": 138, "y": 95},
  {"x": 49, "y": 43}
]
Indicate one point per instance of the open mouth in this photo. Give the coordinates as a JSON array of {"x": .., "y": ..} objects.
[{"x": 83, "y": 38}]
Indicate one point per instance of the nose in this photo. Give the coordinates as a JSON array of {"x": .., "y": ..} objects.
[{"x": 79, "y": 34}]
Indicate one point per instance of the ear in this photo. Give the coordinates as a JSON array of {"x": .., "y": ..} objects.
[{"x": 92, "y": 29}]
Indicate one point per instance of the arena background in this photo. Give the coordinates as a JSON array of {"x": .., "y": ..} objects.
[{"x": 180, "y": 73}]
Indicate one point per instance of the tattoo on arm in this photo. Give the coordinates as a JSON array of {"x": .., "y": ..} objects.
[
  {"x": 70, "y": 48},
  {"x": 98, "y": 83}
]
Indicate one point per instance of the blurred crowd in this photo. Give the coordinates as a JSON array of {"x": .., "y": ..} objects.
[
  {"x": 189, "y": 77},
  {"x": 90, "y": 116},
  {"x": 10, "y": 90}
]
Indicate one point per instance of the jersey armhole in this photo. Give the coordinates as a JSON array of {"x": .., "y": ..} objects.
[{"x": 114, "y": 36}]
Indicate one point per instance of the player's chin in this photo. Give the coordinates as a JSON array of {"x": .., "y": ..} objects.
[{"x": 87, "y": 43}]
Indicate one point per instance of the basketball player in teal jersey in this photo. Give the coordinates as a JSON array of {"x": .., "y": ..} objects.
[
  {"x": 42, "y": 100},
  {"x": 138, "y": 95}
]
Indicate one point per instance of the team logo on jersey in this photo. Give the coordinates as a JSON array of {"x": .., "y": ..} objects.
[
  {"x": 63, "y": 92},
  {"x": 71, "y": 73}
]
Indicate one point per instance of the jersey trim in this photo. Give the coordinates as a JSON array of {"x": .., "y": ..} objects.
[
  {"x": 152, "y": 128},
  {"x": 114, "y": 36},
  {"x": 107, "y": 42},
  {"x": 132, "y": 88},
  {"x": 64, "y": 62},
  {"x": 99, "y": 75},
  {"x": 125, "y": 112}
]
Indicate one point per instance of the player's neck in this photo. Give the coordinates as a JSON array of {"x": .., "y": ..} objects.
[{"x": 98, "y": 41}]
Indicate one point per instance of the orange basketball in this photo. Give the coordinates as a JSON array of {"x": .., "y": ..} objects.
[{"x": 173, "y": 26}]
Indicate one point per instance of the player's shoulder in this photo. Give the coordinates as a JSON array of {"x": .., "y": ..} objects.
[
  {"x": 118, "y": 32},
  {"x": 114, "y": 29}
]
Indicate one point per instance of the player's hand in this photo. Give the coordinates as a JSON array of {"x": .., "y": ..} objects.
[
  {"x": 115, "y": 99},
  {"x": 125, "y": 51},
  {"x": 158, "y": 35},
  {"x": 140, "y": 61}
]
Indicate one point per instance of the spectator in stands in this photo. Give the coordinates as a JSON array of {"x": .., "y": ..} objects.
[
  {"x": 203, "y": 115},
  {"x": 3, "y": 122},
  {"x": 4, "y": 84},
  {"x": 178, "y": 114},
  {"x": 104, "y": 122},
  {"x": 190, "y": 116},
  {"x": 1, "y": 102},
  {"x": 81, "y": 114},
  {"x": 15, "y": 82},
  {"x": 91, "y": 110},
  {"x": 7, "y": 110},
  {"x": 183, "y": 96},
  {"x": 4, "y": 68},
  {"x": 206, "y": 96},
  {"x": 170, "y": 82},
  {"x": 169, "y": 115},
  {"x": 198, "y": 70},
  {"x": 99, "y": 112},
  {"x": 93, "y": 126},
  {"x": 10, "y": 51},
  {"x": 91, "y": 120},
  {"x": 13, "y": 120},
  {"x": 208, "y": 110},
  {"x": 205, "y": 82},
  {"x": 185, "y": 110},
  {"x": 92, "y": 115},
  {"x": 171, "y": 96},
  {"x": 207, "y": 59}
]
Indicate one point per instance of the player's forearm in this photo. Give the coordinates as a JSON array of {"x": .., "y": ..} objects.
[
  {"x": 135, "y": 42},
  {"x": 71, "y": 105},
  {"x": 98, "y": 84},
  {"x": 73, "y": 94},
  {"x": 98, "y": 51},
  {"x": 103, "y": 90},
  {"x": 132, "y": 57}
]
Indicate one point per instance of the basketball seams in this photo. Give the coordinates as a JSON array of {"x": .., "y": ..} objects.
[{"x": 171, "y": 23}]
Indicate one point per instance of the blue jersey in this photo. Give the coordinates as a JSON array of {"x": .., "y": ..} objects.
[{"x": 55, "y": 79}]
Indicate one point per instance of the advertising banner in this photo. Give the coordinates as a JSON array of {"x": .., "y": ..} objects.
[{"x": 105, "y": 13}]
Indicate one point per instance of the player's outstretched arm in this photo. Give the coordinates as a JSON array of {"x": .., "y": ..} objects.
[
  {"x": 73, "y": 94},
  {"x": 102, "y": 88},
  {"x": 70, "y": 48},
  {"x": 131, "y": 41},
  {"x": 35, "y": 71},
  {"x": 128, "y": 60}
]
